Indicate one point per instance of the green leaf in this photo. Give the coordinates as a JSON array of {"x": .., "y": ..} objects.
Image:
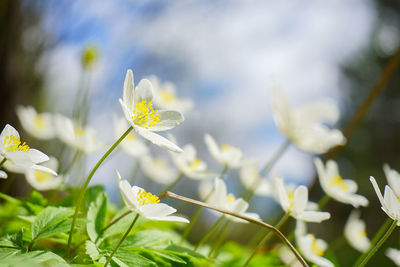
[
  {"x": 127, "y": 258},
  {"x": 33, "y": 259},
  {"x": 96, "y": 216},
  {"x": 13, "y": 241},
  {"x": 150, "y": 238},
  {"x": 92, "y": 250},
  {"x": 51, "y": 221}
]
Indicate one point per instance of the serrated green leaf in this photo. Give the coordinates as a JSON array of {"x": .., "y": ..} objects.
[
  {"x": 149, "y": 238},
  {"x": 7, "y": 252},
  {"x": 183, "y": 250},
  {"x": 132, "y": 259},
  {"x": 96, "y": 217},
  {"x": 92, "y": 250},
  {"x": 33, "y": 259},
  {"x": 13, "y": 241},
  {"x": 51, "y": 221},
  {"x": 166, "y": 254}
]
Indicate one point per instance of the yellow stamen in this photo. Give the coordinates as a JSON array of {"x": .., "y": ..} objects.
[
  {"x": 291, "y": 198},
  {"x": 319, "y": 251},
  {"x": 145, "y": 198},
  {"x": 42, "y": 176},
  {"x": 231, "y": 198},
  {"x": 225, "y": 147},
  {"x": 338, "y": 181},
  {"x": 195, "y": 164},
  {"x": 167, "y": 96},
  {"x": 39, "y": 122},
  {"x": 131, "y": 137},
  {"x": 362, "y": 233},
  {"x": 144, "y": 115},
  {"x": 13, "y": 144},
  {"x": 78, "y": 131}
]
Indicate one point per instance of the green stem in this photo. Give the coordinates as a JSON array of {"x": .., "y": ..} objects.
[
  {"x": 219, "y": 240},
  {"x": 171, "y": 185},
  {"x": 267, "y": 167},
  {"x": 266, "y": 238},
  {"x": 2, "y": 162},
  {"x": 209, "y": 233},
  {"x": 384, "y": 228},
  {"x": 374, "y": 249},
  {"x": 122, "y": 240},
  {"x": 68, "y": 168},
  {"x": 196, "y": 215},
  {"x": 323, "y": 201},
  {"x": 83, "y": 190}
]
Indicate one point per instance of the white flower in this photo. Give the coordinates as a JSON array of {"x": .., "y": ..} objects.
[
  {"x": 303, "y": 125},
  {"x": 389, "y": 202},
  {"x": 394, "y": 255},
  {"x": 138, "y": 110},
  {"x": 83, "y": 139},
  {"x": 41, "y": 180},
  {"x": 38, "y": 125},
  {"x": 249, "y": 175},
  {"x": 226, "y": 154},
  {"x": 165, "y": 96},
  {"x": 205, "y": 189},
  {"x": 393, "y": 179},
  {"x": 355, "y": 233},
  {"x": 3, "y": 174},
  {"x": 288, "y": 258},
  {"x": 296, "y": 202},
  {"x": 19, "y": 156},
  {"x": 158, "y": 169},
  {"x": 189, "y": 164},
  {"x": 131, "y": 145},
  {"x": 221, "y": 199},
  {"x": 337, "y": 188},
  {"x": 146, "y": 204},
  {"x": 312, "y": 248}
]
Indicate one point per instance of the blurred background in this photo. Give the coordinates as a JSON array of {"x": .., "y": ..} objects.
[{"x": 225, "y": 56}]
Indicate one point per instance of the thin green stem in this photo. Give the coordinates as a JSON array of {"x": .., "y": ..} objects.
[
  {"x": 267, "y": 167},
  {"x": 266, "y": 238},
  {"x": 384, "y": 228},
  {"x": 83, "y": 190},
  {"x": 374, "y": 249},
  {"x": 72, "y": 162},
  {"x": 196, "y": 215},
  {"x": 121, "y": 240},
  {"x": 2, "y": 162},
  {"x": 171, "y": 185},
  {"x": 323, "y": 201},
  {"x": 209, "y": 233},
  {"x": 219, "y": 240}
]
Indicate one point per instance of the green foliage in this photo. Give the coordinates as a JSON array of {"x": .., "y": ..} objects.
[{"x": 96, "y": 217}]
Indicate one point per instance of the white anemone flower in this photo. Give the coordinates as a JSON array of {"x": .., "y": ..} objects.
[
  {"x": 131, "y": 145},
  {"x": 312, "y": 248},
  {"x": 288, "y": 258},
  {"x": 19, "y": 156},
  {"x": 250, "y": 176},
  {"x": 394, "y": 255},
  {"x": 221, "y": 199},
  {"x": 342, "y": 190},
  {"x": 295, "y": 203},
  {"x": 189, "y": 164},
  {"x": 165, "y": 96},
  {"x": 225, "y": 154},
  {"x": 138, "y": 110},
  {"x": 39, "y": 125},
  {"x": 83, "y": 139},
  {"x": 389, "y": 202},
  {"x": 146, "y": 204},
  {"x": 393, "y": 179},
  {"x": 304, "y": 125},
  {"x": 3, "y": 174},
  {"x": 355, "y": 232},
  {"x": 41, "y": 180},
  {"x": 158, "y": 169}
]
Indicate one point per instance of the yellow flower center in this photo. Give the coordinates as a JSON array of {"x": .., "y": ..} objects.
[
  {"x": 317, "y": 250},
  {"x": 362, "y": 233},
  {"x": 78, "y": 131},
  {"x": 231, "y": 198},
  {"x": 131, "y": 137},
  {"x": 167, "y": 96},
  {"x": 42, "y": 176},
  {"x": 145, "y": 198},
  {"x": 144, "y": 115},
  {"x": 13, "y": 144},
  {"x": 195, "y": 164},
  {"x": 338, "y": 181},
  {"x": 225, "y": 147},
  {"x": 291, "y": 198},
  {"x": 39, "y": 122}
]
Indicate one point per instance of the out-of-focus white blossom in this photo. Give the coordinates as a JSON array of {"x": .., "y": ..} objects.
[
  {"x": 304, "y": 125},
  {"x": 342, "y": 190},
  {"x": 158, "y": 169},
  {"x": 225, "y": 154},
  {"x": 394, "y": 255},
  {"x": 393, "y": 179},
  {"x": 38, "y": 125},
  {"x": 355, "y": 232},
  {"x": 131, "y": 145},
  {"x": 41, "y": 180},
  {"x": 250, "y": 176}
]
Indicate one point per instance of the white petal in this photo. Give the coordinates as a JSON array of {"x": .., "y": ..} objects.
[
  {"x": 157, "y": 139},
  {"x": 170, "y": 219},
  {"x": 127, "y": 112},
  {"x": 212, "y": 146},
  {"x": 44, "y": 169},
  {"x": 144, "y": 91},
  {"x": 8, "y": 131},
  {"x": 300, "y": 199},
  {"x": 128, "y": 91},
  {"x": 3, "y": 174},
  {"x": 320, "y": 111},
  {"x": 37, "y": 156},
  {"x": 157, "y": 210},
  {"x": 314, "y": 216},
  {"x": 169, "y": 119},
  {"x": 377, "y": 191},
  {"x": 282, "y": 195}
]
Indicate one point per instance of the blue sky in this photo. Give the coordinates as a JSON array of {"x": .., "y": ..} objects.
[{"x": 224, "y": 55}]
